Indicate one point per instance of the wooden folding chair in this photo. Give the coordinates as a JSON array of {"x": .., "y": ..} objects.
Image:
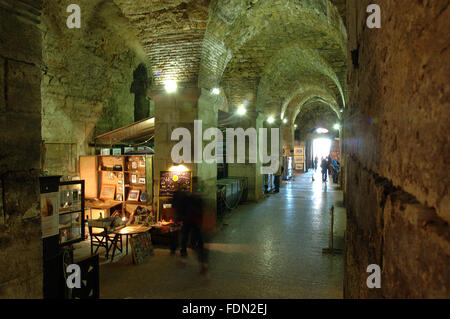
[{"x": 106, "y": 239}]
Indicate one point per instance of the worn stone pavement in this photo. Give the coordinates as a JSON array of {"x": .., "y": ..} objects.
[{"x": 270, "y": 249}]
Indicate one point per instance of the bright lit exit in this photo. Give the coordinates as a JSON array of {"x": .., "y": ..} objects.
[{"x": 321, "y": 147}]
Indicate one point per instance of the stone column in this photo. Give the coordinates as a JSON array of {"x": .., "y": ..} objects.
[
  {"x": 288, "y": 139},
  {"x": 180, "y": 110},
  {"x": 20, "y": 163},
  {"x": 252, "y": 171}
]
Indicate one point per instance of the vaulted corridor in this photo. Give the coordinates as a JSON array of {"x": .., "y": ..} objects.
[{"x": 141, "y": 122}]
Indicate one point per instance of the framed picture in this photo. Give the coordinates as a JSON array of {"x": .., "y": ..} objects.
[
  {"x": 141, "y": 163},
  {"x": 117, "y": 151},
  {"x": 298, "y": 160},
  {"x": 134, "y": 165},
  {"x": 133, "y": 195},
  {"x": 108, "y": 192},
  {"x": 106, "y": 151},
  {"x": 141, "y": 180},
  {"x": 134, "y": 179},
  {"x": 119, "y": 198}
]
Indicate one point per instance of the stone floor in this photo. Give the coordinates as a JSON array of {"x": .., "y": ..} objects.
[{"x": 270, "y": 249}]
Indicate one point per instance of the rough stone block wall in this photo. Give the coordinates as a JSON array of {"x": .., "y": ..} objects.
[
  {"x": 20, "y": 129},
  {"x": 88, "y": 74},
  {"x": 396, "y": 147}
]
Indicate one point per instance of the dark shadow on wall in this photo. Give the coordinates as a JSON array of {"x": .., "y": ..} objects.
[{"x": 141, "y": 82}]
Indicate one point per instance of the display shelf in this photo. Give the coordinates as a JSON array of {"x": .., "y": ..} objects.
[{"x": 99, "y": 172}]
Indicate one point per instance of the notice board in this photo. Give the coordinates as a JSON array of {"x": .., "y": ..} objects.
[{"x": 168, "y": 180}]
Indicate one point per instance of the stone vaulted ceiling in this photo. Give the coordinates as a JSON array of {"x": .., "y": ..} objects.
[
  {"x": 172, "y": 33},
  {"x": 272, "y": 54}
]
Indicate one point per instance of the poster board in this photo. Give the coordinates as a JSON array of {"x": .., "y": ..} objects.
[
  {"x": 50, "y": 214},
  {"x": 141, "y": 247},
  {"x": 168, "y": 180}
]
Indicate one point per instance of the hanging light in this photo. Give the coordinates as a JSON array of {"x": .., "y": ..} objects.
[
  {"x": 270, "y": 120},
  {"x": 337, "y": 127},
  {"x": 215, "y": 91}
]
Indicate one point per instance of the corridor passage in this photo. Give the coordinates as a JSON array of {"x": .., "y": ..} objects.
[{"x": 270, "y": 249}]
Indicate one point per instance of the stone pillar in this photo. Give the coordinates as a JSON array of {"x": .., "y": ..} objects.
[
  {"x": 288, "y": 139},
  {"x": 252, "y": 171},
  {"x": 180, "y": 110},
  {"x": 20, "y": 163}
]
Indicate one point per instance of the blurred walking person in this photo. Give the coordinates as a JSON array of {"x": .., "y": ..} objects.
[
  {"x": 190, "y": 210},
  {"x": 324, "y": 167}
]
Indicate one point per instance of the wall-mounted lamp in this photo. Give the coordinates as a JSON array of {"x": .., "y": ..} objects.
[
  {"x": 241, "y": 111},
  {"x": 178, "y": 168},
  {"x": 284, "y": 121},
  {"x": 337, "y": 127},
  {"x": 215, "y": 91},
  {"x": 170, "y": 86}
]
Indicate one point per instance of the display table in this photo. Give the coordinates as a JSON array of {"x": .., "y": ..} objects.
[{"x": 129, "y": 231}]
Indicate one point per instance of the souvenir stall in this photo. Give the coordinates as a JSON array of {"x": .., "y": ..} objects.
[
  {"x": 119, "y": 180},
  {"x": 119, "y": 190}
]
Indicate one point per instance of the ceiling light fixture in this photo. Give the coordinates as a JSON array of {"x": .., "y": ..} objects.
[{"x": 270, "y": 120}]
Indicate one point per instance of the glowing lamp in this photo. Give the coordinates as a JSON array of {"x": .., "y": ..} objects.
[
  {"x": 170, "y": 86},
  {"x": 215, "y": 91},
  {"x": 178, "y": 168},
  {"x": 270, "y": 120},
  {"x": 241, "y": 110},
  {"x": 322, "y": 131}
]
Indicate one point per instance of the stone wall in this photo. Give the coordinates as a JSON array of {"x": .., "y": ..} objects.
[
  {"x": 20, "y": 129},
  {"x": 88, "y": 77},
  {"x": 396, "y": 141}
]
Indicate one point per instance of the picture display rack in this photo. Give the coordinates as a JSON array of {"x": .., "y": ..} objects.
[
  {"x": 299, "y": 158},
  {"x": 126, "y": 179}
]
